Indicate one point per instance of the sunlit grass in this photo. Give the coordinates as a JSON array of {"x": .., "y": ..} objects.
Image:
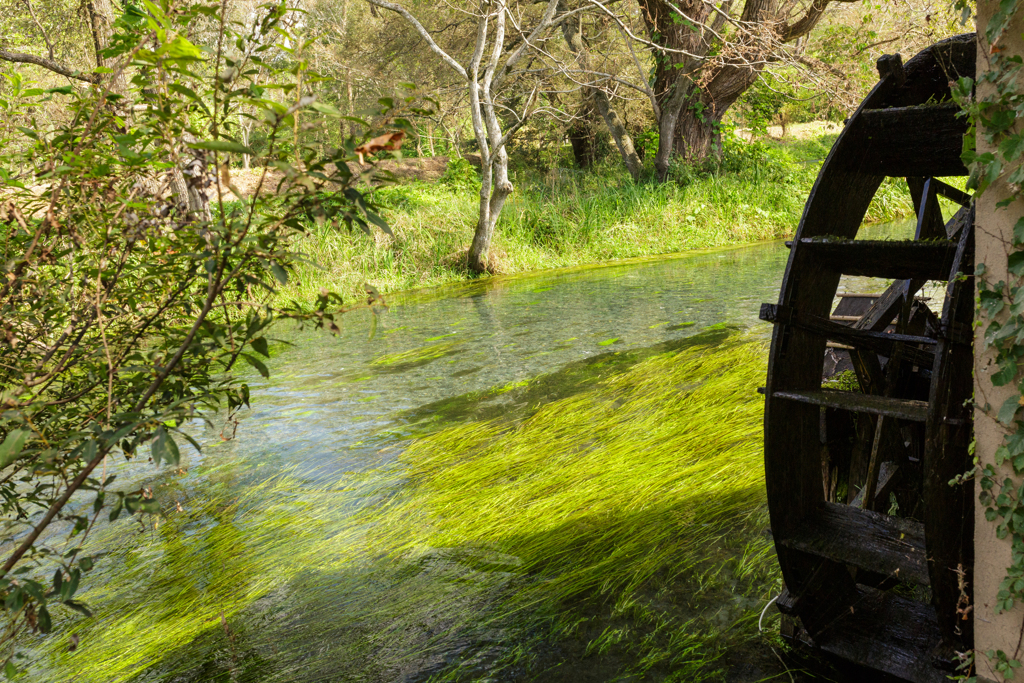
[{"x": 577, "y": 217}]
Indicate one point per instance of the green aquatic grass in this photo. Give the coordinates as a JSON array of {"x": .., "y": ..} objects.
[
  {"x": 631, "y": 516},
  {"x": 612, "y": 522},
  {"x": 417, "y": 356},
  {"x": 182, "y": 581}
]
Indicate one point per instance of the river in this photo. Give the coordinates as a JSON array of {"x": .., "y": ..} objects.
[{"x": 543, "y": 477}]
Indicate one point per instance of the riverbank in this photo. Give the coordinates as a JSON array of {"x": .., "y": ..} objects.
[{"x": 568, "y": 217}]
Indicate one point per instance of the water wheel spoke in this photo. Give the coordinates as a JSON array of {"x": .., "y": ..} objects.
[
  {"x": 930, "y": 225},
  {"x": 899, "y": 408},
  {"x": 878, "y": 342}
]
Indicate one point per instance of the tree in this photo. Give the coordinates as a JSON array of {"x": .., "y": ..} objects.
[
  {"x": 706, "y": 56},
  {"x": 572, "y": 31},
  {"x": 122, "y": 315},
  {"x": 483, "y": 82}
]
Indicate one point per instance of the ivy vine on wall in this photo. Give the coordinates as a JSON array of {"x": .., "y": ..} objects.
[{"x": 994, "y": 107}]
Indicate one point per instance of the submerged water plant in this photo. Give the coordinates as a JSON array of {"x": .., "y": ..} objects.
[
  {"x": 627, "y": 519},
  {"x": 616, "y": 527}
]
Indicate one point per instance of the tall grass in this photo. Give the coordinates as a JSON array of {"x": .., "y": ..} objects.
[{"x": 568, "y": 217}]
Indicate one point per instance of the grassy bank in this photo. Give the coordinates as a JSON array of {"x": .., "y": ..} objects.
[{"x": 568, "y": 217}]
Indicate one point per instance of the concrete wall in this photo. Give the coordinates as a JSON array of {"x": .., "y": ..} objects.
[{"x": 992, "y": 555}]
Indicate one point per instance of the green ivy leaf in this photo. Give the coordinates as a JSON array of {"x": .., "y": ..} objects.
[
  {"x": 1007, "y": 371},
  {"x": 1018, "y": 231},
  {"x": 1012, "y": 146},
  {"x": 1015, "y": 263},
  {"x": 1009, "y": 409}
]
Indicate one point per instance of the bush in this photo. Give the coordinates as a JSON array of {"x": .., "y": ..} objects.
[
  {"x": 125, "y": 308},
  {"x": 460, "y": 175}
]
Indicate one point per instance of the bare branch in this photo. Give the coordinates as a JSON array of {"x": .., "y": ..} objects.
[
  {"x": 22, "y": 58},
  {"x": 398, "y": 9}
]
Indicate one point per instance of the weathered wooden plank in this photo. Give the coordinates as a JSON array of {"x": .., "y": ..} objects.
[
  {"x": 897, "y": 260},
  {"x": 885, "y": 545},
  {"x": 879, "y": 342},
  {"x": 950, "y": 509},
  {"x": 900, "y": 408},
  {"x": 926, "y": 205},
  {"x": 888, "y": 476},
  {"x": 913, "y": 141},
  {"x": 951, "y": 193},
  {"x": 887, "y": 633}
]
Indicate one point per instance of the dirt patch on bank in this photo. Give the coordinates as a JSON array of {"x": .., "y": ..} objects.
[{"x": 424, "y": 169}]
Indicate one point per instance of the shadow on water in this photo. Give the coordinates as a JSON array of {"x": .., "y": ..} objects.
[{"x": 518, "y": 401}]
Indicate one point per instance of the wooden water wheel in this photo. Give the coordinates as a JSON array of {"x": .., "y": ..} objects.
[{"x": 874, "y": 544}]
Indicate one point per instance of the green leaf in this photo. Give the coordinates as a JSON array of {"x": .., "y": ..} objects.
[
  {"x": 280, "y": 273},
  {"x": 78, "y": 607},
  {"x": 10, "y": 670},
  {"x": 13, "y": 445},
  {"x": 222, "y": 146},
  {"x": 180, "y": 48},
  {"x": 189, "y": 93},
  {"x": 1018, "y": 231},
  {"x": 1009, "y": 409},
  {"x": 116, "y": 510},
  {"x": 378, "y": 221},
  {"x": 43, "y": 619},
  {"x": 1007, "y": 371},
  {"x": 85, "y": 563},
  {"x": 257, "y": 363},
  {"x": 164, "y": 449},
  {"x": 72, "y": 585},
  {"x": 326, "y": 109},
  {"x": 260, "y": 345}
]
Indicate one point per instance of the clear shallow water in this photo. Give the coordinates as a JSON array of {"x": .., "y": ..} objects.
[{"x": 260, "y": 568}]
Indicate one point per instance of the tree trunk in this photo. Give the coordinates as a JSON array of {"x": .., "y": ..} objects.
[
  {"x": 698, "y": 136},
  {"x": 696, "y": 85},
  {"x": 671, "y": 108},
  {"x": 617, "y": 128},
  {"x": 581, "y": 135},
  {"x": 573, "y": 34},
  {"x": 698, "y": 133},
  {"x": 495, "y": 188}
]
